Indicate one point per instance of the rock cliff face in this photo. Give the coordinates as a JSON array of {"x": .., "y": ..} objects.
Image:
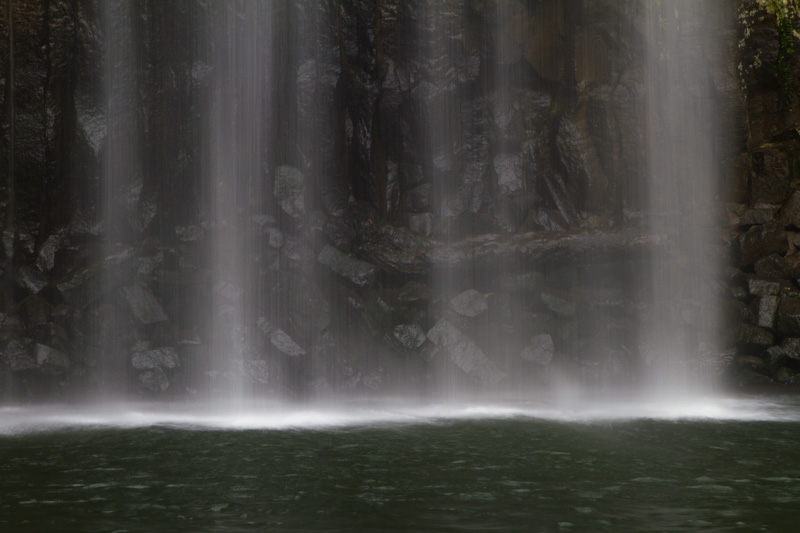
[
  {"x": 763, "y": 187},
  {"x": 450, "y": 194}
]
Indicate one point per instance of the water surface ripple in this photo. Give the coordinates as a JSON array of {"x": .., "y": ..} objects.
[{"x": 392, "y": 466}]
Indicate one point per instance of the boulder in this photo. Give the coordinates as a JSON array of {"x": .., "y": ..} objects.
[
  {"x": 763, "y": 287},
  {"x": 145, "y": 307},
  {"x": 258, "y": 370},
  {"x": 85, "y": 284},
  {"x": 789, "y": 214},
  {"x": 284, "y": 343},
  {"x": 154, "y": 380},
  {"x": 288, "y": 188},
  {"x": 189, "y": 233},
  {"x": 469, "y": 303},
  {"x": 754, "y": 338},
  {"x": 785, "y": 375},
  {"x": 756, "y": 217},
  {"x": 767, "y": 309},
  {"x": 358, "y": 272},
  {"x": 788, "y": 317},
  {"x": 772, "y": 266},
  {"x": 559, "y": 304},
  {"x": 540, "y": 350},
  {"x": 464, "y": 353},
  {"x": 31, "y": 279},
  {"x": 410, "y": 336},
  {"x": 17, "y": 356},
  {"x": 760, "y": 241},
  {"x": 51, "y": 360},
  {"x": 158, "y": 358}
]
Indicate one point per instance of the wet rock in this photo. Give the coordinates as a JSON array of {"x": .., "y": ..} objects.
[
  {"x": 739, "y": 293},
  {"x": 541, "y": 248},
  {"x": 788, "y": 317},
  {"x": 546, "y": 220},
  {"x": 31, "y": 279},
  {"x": 508, "y": 169},
  {"x": 760, "y": 241},
  {"x": 752, "y": 363},
  {"x": 789, "y": 214},
  {"x": 770, "y": 179},
  {"x": 145, "y": 307},
  {"x": 527, "y": 282},
  {"x": 756, "y": 217},
  {"x": 85, "y": 284},
  {"x": 10, "y": 326},
  {"x": 258, "y": 370},
  {"x": 414, "y": 291},
  {"x": 763, "y": 287},
  {"x": 754, "y": 338},
  {"x": 774, "y": 357},
  {"x": 356, "y": 271},
  {"x": 154, "y": 380},
  {"x": 559, "y": 304},
  {"x": 46, "y": 258},
  {"x": 289, "y": 190},
  {"x": 35, "y": 311},
  {"x": 785, "y": 375},
  {"x": 767, "y": 309},
  {"x": 410, "y": 336},
  {"x": 548, "y": 33},
  {"x": 791, "y": 347},
  {"x": 158, "y": 358},
  {"x": 420, "y": 223},
  {"x": 190, "y": 233},
  {"x": 464, "y": 353},
  {"x": 772, "y": 266},
  {"x": 418, "y": 199},
  {"x": 469, "y": 303},
  {"x": 50, "y": 360},
  {"x": 17, "y": 356},
  {"x": 395, "y": 249},
  {"x": 579, "y": 155},
  {"x": 539, "y": 350},
  {"x": 284, "y": 343},
  {"x": 229, "y": 291}
]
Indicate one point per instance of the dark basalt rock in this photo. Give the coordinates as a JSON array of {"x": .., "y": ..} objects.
[
  {"x": 772, "y": 266},
  {"x": 763, "y": 287},
  {"x": 760, "y": 241},
  {"x": 154, "y": 380},
  {"x": 410, "y": 336},
  {"x": 18, "y": 357},
  {"x": 788, "y": 317},
  {"x": 289, "y": 190},
  {"x": 85, "y": 284},
  {"x": 754, "y": 338},
  {"x": 358, "y": 272},
  {"x": 756, "y": 217},
  {"x": 145, "y": 307},
  {"x": 539, "y": 350},
  {"x": 767, "y": 309},
  {"x": 50, "y": 360},
  {"x": 469, "y": 303},
  {"x": 464, "y": 353},
  {"x": 166, "y": 357}
]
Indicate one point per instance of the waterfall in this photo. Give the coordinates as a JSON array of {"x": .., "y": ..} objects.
[
  {"x": 479, "y": 155},
  {"x": 682, "y": 48},
  {"x": 234, "y": 172},
  {"x": 121, "y": 192}
]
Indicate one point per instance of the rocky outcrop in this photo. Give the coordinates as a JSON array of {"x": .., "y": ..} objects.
[{"x": 437, "y": 192}]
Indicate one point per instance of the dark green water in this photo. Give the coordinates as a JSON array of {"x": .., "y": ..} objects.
[{"x": 518, "y": 471}]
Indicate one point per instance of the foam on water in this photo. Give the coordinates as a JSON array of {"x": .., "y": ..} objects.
[{"x": 276, "y": 416}]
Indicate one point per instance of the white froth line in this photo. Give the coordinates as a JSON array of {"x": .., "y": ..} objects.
[{"x": 15, "y": 420}]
